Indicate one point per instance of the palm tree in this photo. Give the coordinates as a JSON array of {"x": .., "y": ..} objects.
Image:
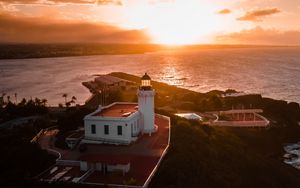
[
  {"x": 65, "y": 95},
  {"x": 2, "y": 99},
  {"x": 23, "y": 102},
  {"x": 44, "y": 102},
  {"x": 37, "y": 101},
  {"x": 73, "y": 99},
  {"x": 16, "y": 98},
  {"x": 8, "y": 98}
]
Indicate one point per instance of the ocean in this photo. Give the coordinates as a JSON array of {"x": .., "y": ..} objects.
[{"x": 271, "y": 71}]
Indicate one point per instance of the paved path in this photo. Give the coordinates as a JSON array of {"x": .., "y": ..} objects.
[{"x": 46, "y": 141}]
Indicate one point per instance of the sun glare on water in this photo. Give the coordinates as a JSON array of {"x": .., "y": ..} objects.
[{"x": 175, "y": 23}]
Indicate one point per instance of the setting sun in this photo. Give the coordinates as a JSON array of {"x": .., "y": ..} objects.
[
  {"x": 174, "y": 23},
  {"x": 169, "y": 22}
]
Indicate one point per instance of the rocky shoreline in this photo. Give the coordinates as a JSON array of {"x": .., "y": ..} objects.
[{"x": 292, "y": 155}]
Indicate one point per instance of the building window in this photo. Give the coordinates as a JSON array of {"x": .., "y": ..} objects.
[
  {"x": 93, "y": 129},
  {"x": 106, "y": 129},
  {"x": 119, "y": 130}
]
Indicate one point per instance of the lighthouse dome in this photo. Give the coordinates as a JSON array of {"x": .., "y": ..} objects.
[{"x": 146, "y": 77}]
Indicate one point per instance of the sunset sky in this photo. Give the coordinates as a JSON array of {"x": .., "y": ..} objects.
[{"x": 272, "y": 22}]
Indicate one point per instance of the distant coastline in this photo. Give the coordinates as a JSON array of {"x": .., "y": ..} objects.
[{"x": 26, "y": 51}]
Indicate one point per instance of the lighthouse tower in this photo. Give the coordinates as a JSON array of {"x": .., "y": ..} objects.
[{"x": 145, "y": 95}]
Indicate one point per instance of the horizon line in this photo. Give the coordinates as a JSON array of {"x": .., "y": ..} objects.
[{"x": 156, "y": 44}]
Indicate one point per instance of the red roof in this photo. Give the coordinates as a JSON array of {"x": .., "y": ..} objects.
[{"x": 118, "y": 110}]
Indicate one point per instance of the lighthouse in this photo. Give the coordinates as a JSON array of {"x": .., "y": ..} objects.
[{"x": 146, "y": 95}]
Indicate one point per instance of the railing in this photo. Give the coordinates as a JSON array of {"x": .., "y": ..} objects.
[
  {"x": 37, "y": 136},
  {"x": 236, "y": 111},
  {"x": 241, "y": 123},
  {"x": 86, "y": 175},
  {"x": 54, "y": 152},
  {"x": 42, "y": 132},
  {"x": 88, "y": 139},
  {"x": 262, "y": 117}
]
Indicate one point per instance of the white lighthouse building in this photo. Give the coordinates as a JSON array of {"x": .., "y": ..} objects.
[
  {"x": 146, "y": 104},
  {"x": 122, "y": 123}
]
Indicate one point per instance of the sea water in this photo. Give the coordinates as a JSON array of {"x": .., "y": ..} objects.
[{"x": 271, "y": 71}]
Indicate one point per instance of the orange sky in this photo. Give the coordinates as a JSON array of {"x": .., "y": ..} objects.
[{"x": 275, "y": 22}]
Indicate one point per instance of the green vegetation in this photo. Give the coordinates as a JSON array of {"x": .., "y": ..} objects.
[
  {"x": 31, "y": 107},
  {"x": 201, "y": 156},
  {"x": 21, "y": 160},
  {"x": 68, "y": 103}
]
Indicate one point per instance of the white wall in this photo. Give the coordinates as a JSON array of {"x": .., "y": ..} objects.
[
  {"x": 110, "y": 168},
  {"x": 124, "y": 168},
  {"x": 98, "y": 166},
  {"x": 134, "y": 123},
  {"x": 146, "y": 108},
  {"x": 83, "y": 165},
  {"x": 113, "y": 124}
]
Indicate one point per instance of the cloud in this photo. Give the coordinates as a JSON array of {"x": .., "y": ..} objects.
[
  {"x": 258, "y": 14},
  {"x": 224, "y": 11},
  {"x": 109, "y": 2},
  {"x": 46, "y": 1},
  {"x": 42, "y": 30},
  {"x": 98, "y": 2},
  {"x": 260, "y": 36}
]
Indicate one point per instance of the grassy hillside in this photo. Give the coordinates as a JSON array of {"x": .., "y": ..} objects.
[{"x": 202, "y": 156}]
